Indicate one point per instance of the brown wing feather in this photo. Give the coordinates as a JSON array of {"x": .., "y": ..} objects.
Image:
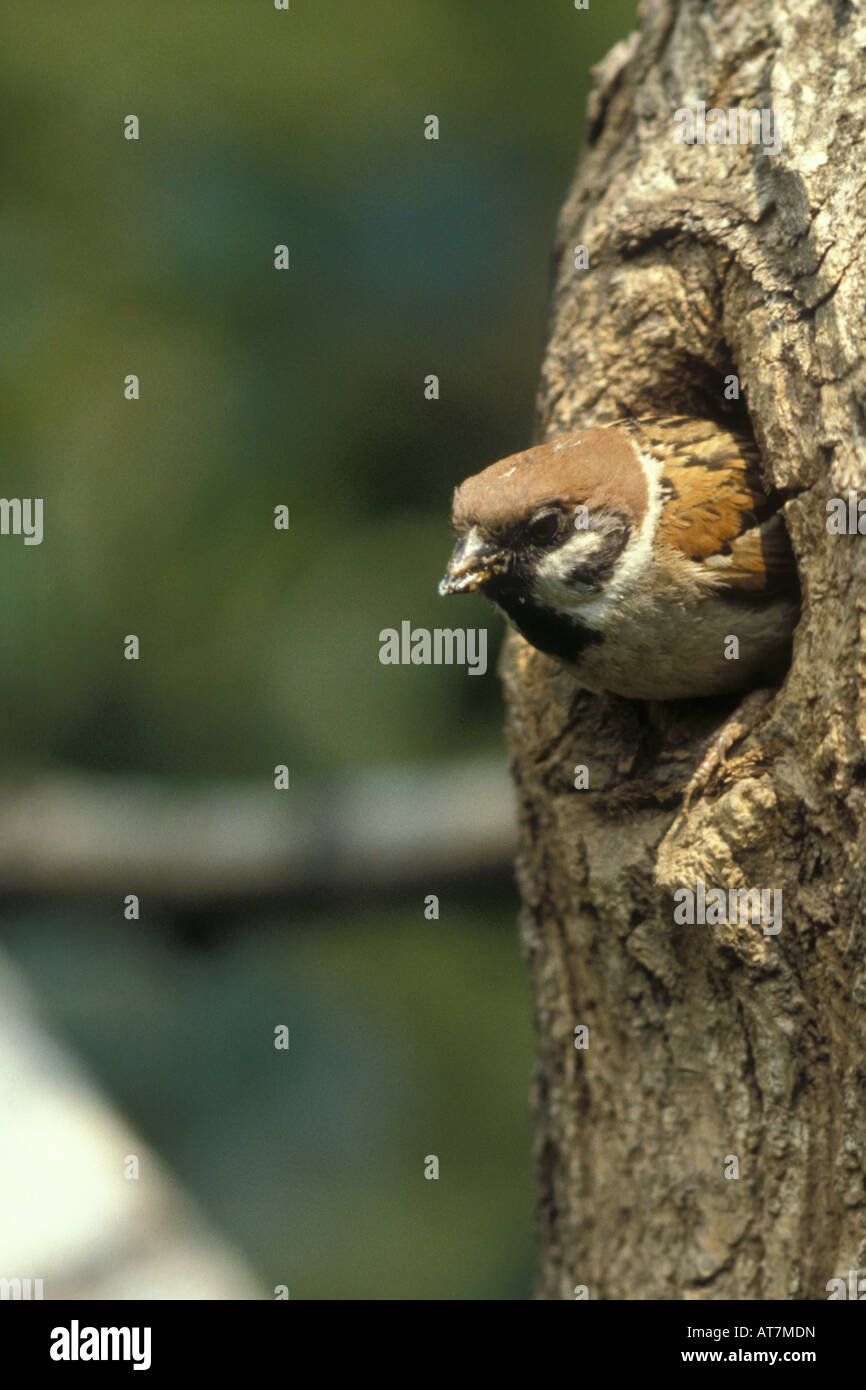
[{"x": 723, "y": 518}]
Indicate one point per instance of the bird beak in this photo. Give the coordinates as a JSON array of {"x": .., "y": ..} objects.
[{"x": 473, "y": 562}]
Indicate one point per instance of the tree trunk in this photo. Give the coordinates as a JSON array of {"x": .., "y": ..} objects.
[{"x": 709, "y": 1043}]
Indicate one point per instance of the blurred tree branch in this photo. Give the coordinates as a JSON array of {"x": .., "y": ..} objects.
[{"x": 225, "y": 842}]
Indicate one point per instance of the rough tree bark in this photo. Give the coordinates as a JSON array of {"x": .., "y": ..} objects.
[{"x": 709, "y": 1041}]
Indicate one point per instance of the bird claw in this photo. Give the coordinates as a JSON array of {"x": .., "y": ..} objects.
[{"x": 740, "y": 723}]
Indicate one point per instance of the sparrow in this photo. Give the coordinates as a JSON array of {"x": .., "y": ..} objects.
[{"x": 632, "y": 554}]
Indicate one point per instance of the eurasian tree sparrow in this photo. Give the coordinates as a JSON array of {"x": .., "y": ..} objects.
[{"x": 633, "y": 553}]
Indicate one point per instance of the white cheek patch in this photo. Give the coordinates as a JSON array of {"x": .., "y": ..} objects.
[
  {"x": 551, "y": 585},
  {"x": 551, "y": 577}
]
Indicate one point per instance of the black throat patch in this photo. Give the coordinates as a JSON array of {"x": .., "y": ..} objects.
[{"x": 552, "y": 633}]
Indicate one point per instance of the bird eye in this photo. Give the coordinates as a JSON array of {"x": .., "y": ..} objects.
[{"x": 543, "y": 529}]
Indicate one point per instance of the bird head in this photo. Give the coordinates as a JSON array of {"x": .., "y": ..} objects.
[{"x": 549, "y": 526}]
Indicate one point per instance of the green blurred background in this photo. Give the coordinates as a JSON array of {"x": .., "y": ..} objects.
[{"x": 259, "y": 647}]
